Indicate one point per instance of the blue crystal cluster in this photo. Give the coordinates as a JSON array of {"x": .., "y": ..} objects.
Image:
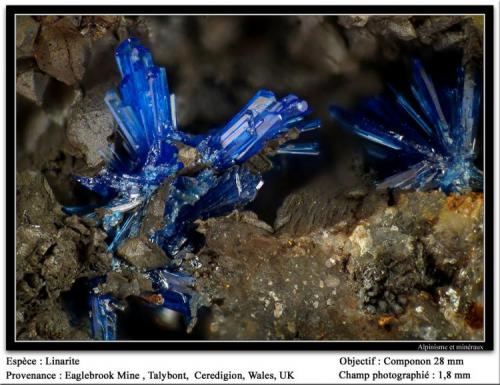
[
  {"x": 432, "y": 139},
  {"x": 148, "y": 156}
]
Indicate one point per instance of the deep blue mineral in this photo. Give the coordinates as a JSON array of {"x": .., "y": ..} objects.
[
  {"x": 148, "y": 156},
  {"x": 432, "y": 139},
  {"x": 102, "y": 316}
]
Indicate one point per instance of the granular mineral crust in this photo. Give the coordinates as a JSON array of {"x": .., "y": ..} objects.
[
  {"x": 375, "y": 276},
  {"x": 53, "y": 251}
]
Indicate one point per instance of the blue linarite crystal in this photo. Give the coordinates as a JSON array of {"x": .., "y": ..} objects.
[
  {"x": 102, "y": 316},
  {"x": 433, "y": 138},
  {"x": 176, "y": 290},
  {"x": 205, "y": 195},
  {"x": 148, "y": 156},
  {"x": 264, "y": 118}
]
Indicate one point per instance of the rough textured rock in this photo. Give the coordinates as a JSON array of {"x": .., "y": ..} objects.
[
  {"x": 51, "y": 322},
  {"x": 141, "y": 253},
  {"x": 365, "y": 33},
  {"x": 60, "y": 268},
  {"x": 328, "y": 202},
  {"x": 35, "y": 201},
  {"x": 32, "y": 85},
  {"x": 53, "y": 251},
  {"x": 26, "y": 33},
  {"x": 373, "y": 278},
  {"x": 89, "y": 126},
  {"x": 61, "y": 52},
  {"x": 270, "y": 288},
  {"x": 124, "y": 284}
]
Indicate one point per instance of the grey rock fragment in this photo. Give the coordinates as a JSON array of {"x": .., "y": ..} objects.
[
  {"x": 26, "y": 32},
  {"x": 143, "y": 254},
  {"x": 32, "y": 85},
  {"x": 89, "y": 126},
  {"x": 322, "y": 203},
  {"x": 31, "y": 239},
  {"x": 155, "y": 209},
  {"x": 35, "y": 201},
  {"x": 252, "y": 219},
  {"x": 61, "y": 52},
  {"x": 124, "y": 284},
  {"x": 98, "y": 259},
  {"x": 61, "y": 267}
]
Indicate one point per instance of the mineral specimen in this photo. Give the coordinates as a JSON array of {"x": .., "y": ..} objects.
[
  {"x": 304, "y": 278},
  {"x": 152, "y": 158},
  {"x": 436, "y": 139}
]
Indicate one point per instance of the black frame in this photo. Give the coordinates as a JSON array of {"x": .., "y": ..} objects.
[{"x": 487, "y": 344}]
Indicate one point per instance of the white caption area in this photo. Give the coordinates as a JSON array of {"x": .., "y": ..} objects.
[{"x": 304, "y": 367}]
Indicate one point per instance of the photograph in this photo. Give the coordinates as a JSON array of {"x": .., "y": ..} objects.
[{"x": 249, "y": 177}]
